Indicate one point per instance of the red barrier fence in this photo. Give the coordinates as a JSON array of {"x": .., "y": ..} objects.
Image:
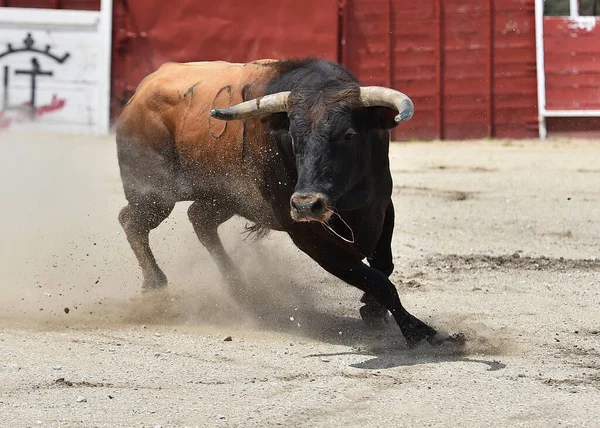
[{"x": 469, "y": 65}]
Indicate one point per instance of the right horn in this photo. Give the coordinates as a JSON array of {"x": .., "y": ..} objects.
[
  {"x": 373, "y": 96},
  {"x": 272, "y": 103}
]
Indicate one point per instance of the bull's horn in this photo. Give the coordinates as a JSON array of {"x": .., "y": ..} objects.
[
  {"x": 273, "y": 103},
  {"x": 372, "y": 96}
]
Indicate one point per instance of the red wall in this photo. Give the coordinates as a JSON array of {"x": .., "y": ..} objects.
[
  {"x": 514, "y": 70},
  {"x": 469, "y": 65},
  {"x": 466, "y": 69},
  {"x": 392, "y": 43}
]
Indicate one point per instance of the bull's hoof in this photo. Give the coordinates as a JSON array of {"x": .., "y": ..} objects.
[
  {"x": 154, "y": 283},
  {"x": 415, "y": 330},
  {"x": 374, "y": 315},
  {"x": 453, "y": 338}
]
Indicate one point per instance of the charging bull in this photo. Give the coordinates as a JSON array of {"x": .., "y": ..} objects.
[{"x": 298, "y": 146}]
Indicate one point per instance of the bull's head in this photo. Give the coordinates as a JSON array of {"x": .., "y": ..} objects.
[{"x": 330, "y": 128}]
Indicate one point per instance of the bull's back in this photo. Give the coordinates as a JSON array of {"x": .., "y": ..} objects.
[
  {"x": 177, "y": 90},
  {"x": 166, "y": 126}
]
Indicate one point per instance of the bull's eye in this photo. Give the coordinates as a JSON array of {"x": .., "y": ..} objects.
[{"x": 350, "y": 133}]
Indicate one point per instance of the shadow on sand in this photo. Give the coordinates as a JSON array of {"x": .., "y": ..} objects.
[{"x": 384, "y": 343}]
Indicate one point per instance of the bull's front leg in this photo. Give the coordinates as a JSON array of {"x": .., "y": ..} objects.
[
  {"x": 378, "y": 287},
  {"x": 371, "y": 281},
  {"x": 373, "y": 312}
]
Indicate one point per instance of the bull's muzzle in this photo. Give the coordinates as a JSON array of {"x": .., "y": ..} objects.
[{"x": 310, "y": 207}]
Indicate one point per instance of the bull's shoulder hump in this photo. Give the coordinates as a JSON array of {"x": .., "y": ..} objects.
[
  {"x": 212, "y": 75},
  {"x": 216, "y": 65},
  {"x": 208, "y": 68},
  {"x": 172, "y": 82},
  {"x": 159, "y": 87}
]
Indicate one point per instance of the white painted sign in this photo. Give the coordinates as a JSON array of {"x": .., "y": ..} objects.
[{"x": 55, "y": 70}]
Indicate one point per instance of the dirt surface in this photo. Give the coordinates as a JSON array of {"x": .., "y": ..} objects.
[{"x": 499, "y": 240}]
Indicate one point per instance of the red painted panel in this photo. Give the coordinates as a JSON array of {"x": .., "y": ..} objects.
[
  {"x": 514, "y": 77},
  {"x": 394, "y": 43},
  {"x": 576, "y": 80},
  {"x": 571, "y": 98},
  {"x": 583, "y": 127},
  {"x": 466, "y": 69},
  {"x": 366, "y": 44},
  {"x": 559, "y": 62},
  {"x": 514, "y": 91},
  {"x": 415, "y": 65},
  {"x": 572, "y": 45},
  {"x": 148, "y": 33},
  {"x": 572, "y": 66}
]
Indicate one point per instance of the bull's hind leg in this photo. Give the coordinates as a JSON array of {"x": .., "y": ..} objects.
[
  {"x": 138, "y": 219},
  {"x": 149, "y": 165},
  {"x": 206, "y": 218}
]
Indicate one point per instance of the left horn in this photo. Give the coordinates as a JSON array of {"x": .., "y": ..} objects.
[
  {"x": 377, "y": 96},
  {"x": 272, "y": 103}
]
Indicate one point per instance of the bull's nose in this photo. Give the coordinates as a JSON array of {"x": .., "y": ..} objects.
[{"x": 309, "y": 206}]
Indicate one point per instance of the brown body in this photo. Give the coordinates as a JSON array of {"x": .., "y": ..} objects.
[{"x": 190, "y": 154}]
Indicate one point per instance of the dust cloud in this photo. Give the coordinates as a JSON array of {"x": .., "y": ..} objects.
[
  {"x": 65, "y": 261},
  {"x": 89, "y": 297},
  {"x": 481, "y": 340}
]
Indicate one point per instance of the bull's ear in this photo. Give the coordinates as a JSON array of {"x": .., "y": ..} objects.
[{"x": 276, "y": 121}]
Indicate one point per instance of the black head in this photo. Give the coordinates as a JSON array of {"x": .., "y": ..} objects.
[{"x": 334, "y": 139}]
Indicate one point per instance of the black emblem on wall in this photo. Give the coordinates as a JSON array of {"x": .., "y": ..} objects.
[{"x": 34, "y": 72}]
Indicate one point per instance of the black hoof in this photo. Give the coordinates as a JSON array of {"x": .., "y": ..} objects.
[
  {"x": 415, "y": 330},
  {"x": 374, "y": 315}
]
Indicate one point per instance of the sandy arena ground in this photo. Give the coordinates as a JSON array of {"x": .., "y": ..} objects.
[{"x": 497, "y": 239}]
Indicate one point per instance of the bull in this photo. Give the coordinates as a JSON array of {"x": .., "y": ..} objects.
[{"x": 298, "y": 146}]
